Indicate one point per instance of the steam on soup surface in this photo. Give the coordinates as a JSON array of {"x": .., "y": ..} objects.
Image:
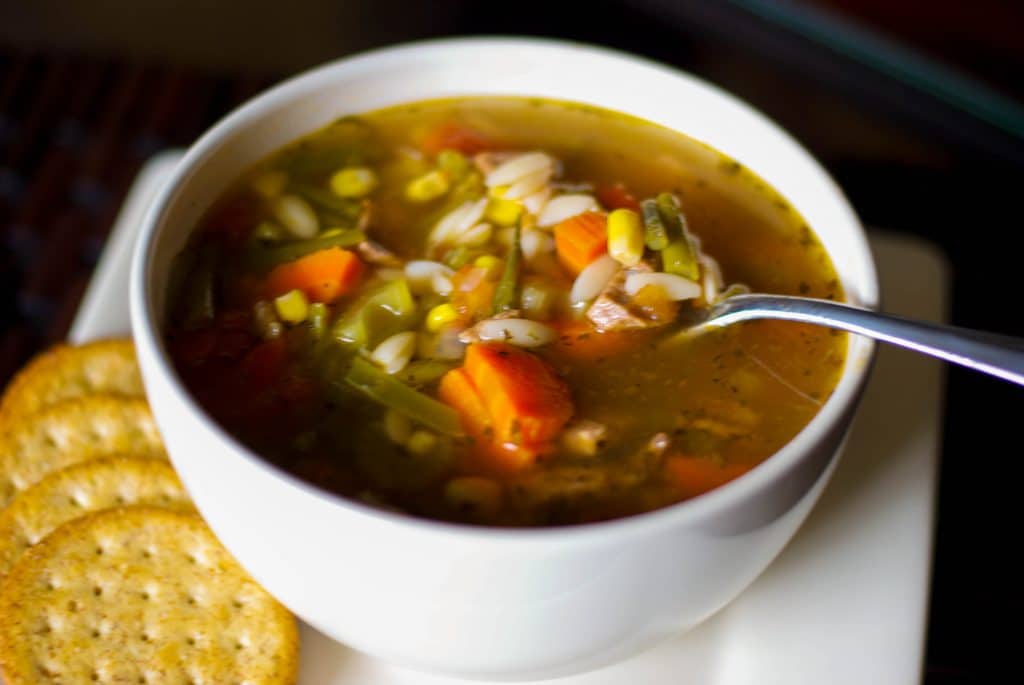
[{"x": 465, "y": 310}]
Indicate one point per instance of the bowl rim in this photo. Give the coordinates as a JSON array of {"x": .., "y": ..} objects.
[{"x": 146, "y": 327}]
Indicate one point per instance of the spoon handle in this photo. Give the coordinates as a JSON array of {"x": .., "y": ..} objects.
[{"x": 997, "y": 355}]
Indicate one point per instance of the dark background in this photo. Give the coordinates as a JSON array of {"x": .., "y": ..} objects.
[{"x": 90, "y": 89}]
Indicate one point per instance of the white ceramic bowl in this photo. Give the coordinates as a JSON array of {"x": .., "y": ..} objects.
[{"x": 499, "y": 604}]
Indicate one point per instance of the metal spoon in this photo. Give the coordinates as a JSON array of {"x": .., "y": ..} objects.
[{"x": 997, "y": 355}]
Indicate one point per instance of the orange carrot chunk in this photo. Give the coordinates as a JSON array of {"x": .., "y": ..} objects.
[
  {"x": 323, "y": 276},
  {"x": 452, "y": 135},
  {"x": 580, "y": 240},
  {"x": 696, "y": 475},
  {"x": 527, "y": 401},
  {"x": 458, "y": 391}
]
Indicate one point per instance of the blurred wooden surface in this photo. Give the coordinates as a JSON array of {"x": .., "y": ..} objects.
[
  {"x": 90, "y": 89},
  {"x": 983, "y": 37},
  {"x": 73, "y": 133},
  {"x": 258, "y": 36}
]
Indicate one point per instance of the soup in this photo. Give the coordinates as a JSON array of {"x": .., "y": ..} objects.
[{"x": 474, "y": 310}]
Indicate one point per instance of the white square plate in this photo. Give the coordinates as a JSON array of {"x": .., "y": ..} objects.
[{"x": 845, "y": 602}]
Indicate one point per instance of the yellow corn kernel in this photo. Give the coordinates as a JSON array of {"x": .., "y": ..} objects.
[
  {"x": 625, "y": 237},
  {"x": 270, "y": 184},
  {"x": 503, "y": 212},
  {"x": 292, "y": 307},
  {"x": 498, "y": 191},
  {"x": 440, "y": 316},
  {"x": 493, "y": 265},
  {"x": 421, "y": 443},
  {"x": 354, "y": 181},
  {"x": 427, "y": 187},
  {"x": 474, "y": 495}
]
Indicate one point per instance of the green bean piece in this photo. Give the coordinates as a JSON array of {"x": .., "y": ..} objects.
[
  {"x": 337, "y": 222},
  {"x": 458, "y": 257},
  {"x": 388, "y": 309},
  {"x": 318, "y": 319},
  {"x": 424, "y": 372},
  {"x": 331, "y": 362},
  {"x": 680, "y": 255},
  {"x": 505, "y": 295},
  {"x": 394, "y": 394},
  {"x": 200, "y": 305},
  {"x": 259, "y": 257},
  {"x": 324, "y": 200},
  {"x": 671, "y": 216},
  {"x": 655, "y": 233},
  {"x": 680, "y": 258}
]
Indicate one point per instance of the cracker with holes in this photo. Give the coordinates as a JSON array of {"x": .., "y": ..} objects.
[
  {"x": 140, "y": 595},
  {"x": 81, "y": 489},
  {"x": 66, "y": 371},
  {"x": 73, "y": 431}
]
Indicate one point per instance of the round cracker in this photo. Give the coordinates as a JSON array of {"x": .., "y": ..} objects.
[
  {"x": 140, "y": 595},
  {"x": 81, "y": 489},
  {"x": 73, "y": 431},
  {"x": 66, "y": 371}
]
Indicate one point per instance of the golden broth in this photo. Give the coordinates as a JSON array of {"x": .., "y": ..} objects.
[{"x": 726, "y": 400}]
